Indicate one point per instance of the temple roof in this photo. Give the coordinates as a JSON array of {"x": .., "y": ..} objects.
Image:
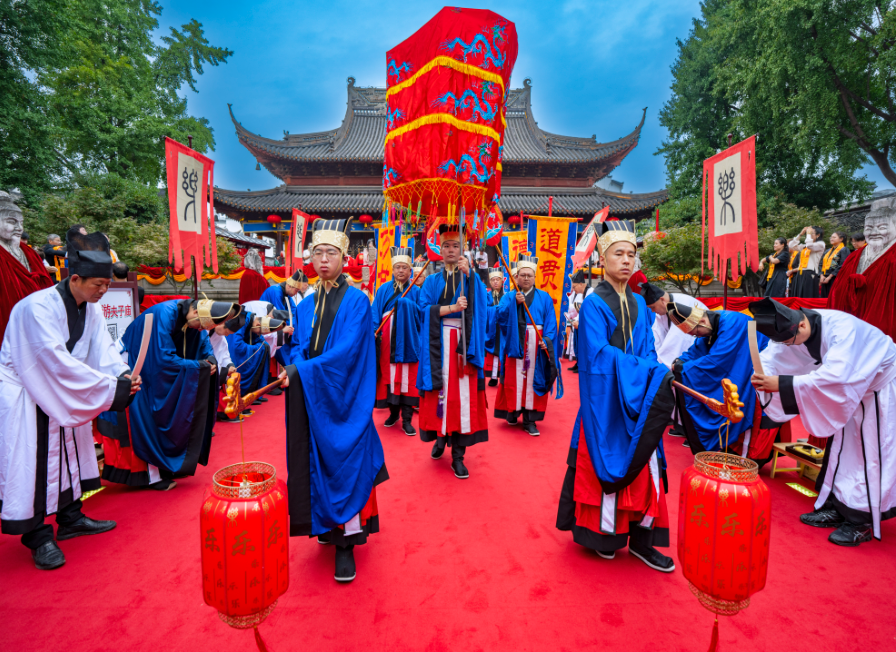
[
  {"x": 369, "y": 199},
  {"x": 361, "y": 136}
]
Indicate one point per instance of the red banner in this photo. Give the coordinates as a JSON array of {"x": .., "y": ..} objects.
[
  {"x": 296, "y": 245},
  {"x": 730, "y": 179},
  {"x": 190, "y": 181},
  {"x": 445, "y": 113},
  {"x": 585, "y": 245}
]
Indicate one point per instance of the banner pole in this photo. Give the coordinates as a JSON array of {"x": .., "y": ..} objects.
[
  {"x": 196, "y": 279},
  {"x": 725, "y": 287}
]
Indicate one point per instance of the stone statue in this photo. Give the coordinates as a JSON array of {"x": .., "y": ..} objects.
[
  {"x": 11, "y": 221},
  {"x": 880, "y": 231},
  {"x": 253, "y": 261}
]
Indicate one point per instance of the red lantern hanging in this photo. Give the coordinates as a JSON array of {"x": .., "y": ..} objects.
[
  {"x": 723, "y": 532},
  {"x": 514, "y": 220},
  {"x": 274, "y": 219},
  {"x": 315, "y": 217},
  {"x": 365, "y": 219},
  {"x": 244, "y": 524}
]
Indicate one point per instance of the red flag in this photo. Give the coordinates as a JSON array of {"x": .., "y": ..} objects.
[
  {"x": 730, "y": 179},
  {"x": 190, "y": 181},
  {"x": 296, "y": 246},
  {"x": 585, "y": 245}
]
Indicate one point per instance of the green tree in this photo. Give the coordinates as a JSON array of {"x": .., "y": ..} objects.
[{"x": 733, "y": 76}]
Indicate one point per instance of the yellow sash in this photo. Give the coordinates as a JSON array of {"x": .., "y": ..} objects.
[
  {"x": 804, "y": 258},
  {"x": 828, "y": 257}
]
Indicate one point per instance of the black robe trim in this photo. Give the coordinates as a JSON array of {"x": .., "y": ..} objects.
[
  {"x": 788, "y": 397},
  {"x": 123, "y": 396},
  {"x": 127, "y": 477},
  {"x": 75, "y": 314},
  {"x": 396, "y": 400},
  {"x": 323, "y": 318},
  {"x": 298, "y": 465},
  {"x": 813, "y": 344},
  {"x": 456, "y": 438},
  {"x": 663, "y": 401}
]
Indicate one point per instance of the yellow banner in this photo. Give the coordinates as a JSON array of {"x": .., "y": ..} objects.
[
  {"x": 555, "y": 241},
  {"x": 516, "y": 245},
  {"x": 385, "y": 242}
]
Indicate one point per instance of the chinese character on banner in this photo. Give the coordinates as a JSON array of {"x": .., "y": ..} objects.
[
  {"x": 385, "y": 240},
  {"x": 553, "y": 241},
  {"x": 191, "y": 208},
  {"x": 729, "y": 204},
  {"x": 296, "y": 246}
]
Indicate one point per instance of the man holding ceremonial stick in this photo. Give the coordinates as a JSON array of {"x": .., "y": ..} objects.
[
  {"x": 58, "y": 370},
  {"x": 453, "y": 409},
  {"x": 398, "y": 317}
]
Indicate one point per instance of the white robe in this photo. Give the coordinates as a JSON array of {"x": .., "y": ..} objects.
[
  {"x": 71, "y": 389},
  {"x": 572, "y": 317},
  {"x": 850, "y": 397},
  {"x": 669, "y": 340}
]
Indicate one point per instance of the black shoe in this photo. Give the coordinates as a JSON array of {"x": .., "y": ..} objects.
[
  {"x": 48, "y": 556},
  {"x": 460, "y": 471},
  {"x": 262, "y": 399},
  {"x": 823, "y": 518},
  {"x": 606, "y": 555},
  {"x": 325, "y": 539},
  {"x": 530, "y": 427},
  {"x": 676, "y": 433},
  {"x": 575, "y": 370},
  {"x": 83, "y": 526},
  {"x": 493, "y": 382},
  {"x": 409, "y": 429},
  {"x": 437, "y": 449},
  {"x": 392, "y": 420},
  {"x": 511, "y": 418},
  {"x": 851, "y": 535},
  {"x": 345, "y": 565},
  {"x": 275, "y": 392},
  {"x": 163, "y": 485},
  {"x": 256, "y": 401},
  {"x": 686, "y": 443},
  {"x": 653, "y": 558}
]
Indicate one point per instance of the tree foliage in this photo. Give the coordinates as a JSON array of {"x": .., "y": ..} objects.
[
  {"x": 813, "y": 79},
  {"x": 85, "y": 90}
]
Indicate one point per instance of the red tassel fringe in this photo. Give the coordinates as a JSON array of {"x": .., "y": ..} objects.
[
  {"x": 713, "y": 642},
  {"x": 260, "y": 642}
]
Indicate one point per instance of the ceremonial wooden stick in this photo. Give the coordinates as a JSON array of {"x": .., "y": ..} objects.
[
  {"x": 236, "y": 403},
  {"x": 403, "y": 295},
  {"x": 517, "y": 289},
  {"x": 730, "y": 409}
]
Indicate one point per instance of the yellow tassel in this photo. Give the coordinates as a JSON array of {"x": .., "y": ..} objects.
[
  {"x": 459, "y": 66},
  {"x": 438, "y": 118}
]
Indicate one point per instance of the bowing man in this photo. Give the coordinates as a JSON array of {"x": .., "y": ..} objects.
[
  {"x": 720, "y": 350},
  {"x": 492, "y": 334},
  {"x": 396, "y": 386},
  {"x": 171, "y": 420},
  {"x": 249, "y": 348},
  {"x": 613, "y": 493},
  {"x": 453, "y": 408},
  {"x": 670, "y": 342},
  {"x": 528, "y": 374},
  {"x": 334, "y": 455},
  {"x": 58, "y": 370},
  {"x": 838, "y": 373}
]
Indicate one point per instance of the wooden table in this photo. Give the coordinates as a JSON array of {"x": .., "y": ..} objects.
[{"x": 780, "y": 448}]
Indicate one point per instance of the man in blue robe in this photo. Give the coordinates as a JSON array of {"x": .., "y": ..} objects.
[
  {"x": 527, "y": 373},
  {"x": 334, "y": 455},
  {"x": 396, "y": 386},
  {"x": 453, "y": 408},
  {"x": 614, "y": 491},
  {"x": 721, "y": 350},
  {"x": 171, "y": 419},
  {"x": 493, "y": 348}
]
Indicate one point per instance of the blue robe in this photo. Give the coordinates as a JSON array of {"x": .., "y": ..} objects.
[
  {"x": 407, "y": 318},
  {"x": 492, "y": 335},
  {"x": 541, "y": 306},
  {"x": 250, "y": 355},
  {"x": 724, "y": 354},
  {"x": 625, "y": 392},
  {"x": 276, "y": 296},
  {"x": 429, "y": 371},
  {"x": 334, "y": 452},
  {"x": 172, "y": 416}
]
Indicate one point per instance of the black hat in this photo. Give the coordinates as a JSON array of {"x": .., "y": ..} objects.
[
  {"x": 295, "y": 279},
  {"x": 282, "y": 315},
  {"x": 775, "y": 320},
  {"x": 578, "y": 276},
  {"x": 331, "y": 232},
  {"x": 609, "y": 233},
  {"x": 211, "y": 313},
  {"x": 88, "y": 255},
  {"x": 272, "y": 323},
  {"x": 235, "y": 323},
  {"x": 687, "y": 318},
  {"x": 651, "y": 293}
]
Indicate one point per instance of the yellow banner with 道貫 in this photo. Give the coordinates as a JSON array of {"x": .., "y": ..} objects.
[{"x": 553, "y": 241}]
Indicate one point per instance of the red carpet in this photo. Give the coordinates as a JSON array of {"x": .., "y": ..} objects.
[{"x": 458, "y": 565}]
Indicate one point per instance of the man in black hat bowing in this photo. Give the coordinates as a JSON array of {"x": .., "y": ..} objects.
[{"x": 838, "y": 373}]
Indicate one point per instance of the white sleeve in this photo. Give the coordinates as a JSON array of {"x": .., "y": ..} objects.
[
  {"x": 795, "y": 243},
  {"x": 817, "y": 246},
  {"x": 771, "y": 401}
]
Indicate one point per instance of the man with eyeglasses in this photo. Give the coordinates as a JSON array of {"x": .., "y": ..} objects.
[
  {"x": 838, "y": 373},
  {"x": 453, "y": 409},
  {"x": 334, "y": 454}
]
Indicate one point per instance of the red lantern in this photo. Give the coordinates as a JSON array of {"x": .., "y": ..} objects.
[
  {"x": 365, "y": 219},
  {"x": 274, "y": 219},
  {"x": 315, "y": 217},
  {"x": 723, "y": 531},
  {"x": 514, "y": 220},
  {"x": 244, "y": 534}
]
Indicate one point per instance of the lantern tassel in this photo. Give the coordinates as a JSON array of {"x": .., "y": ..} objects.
[
  {"x": 713, "y": 642},
  {"x": 262, "y": 647}
]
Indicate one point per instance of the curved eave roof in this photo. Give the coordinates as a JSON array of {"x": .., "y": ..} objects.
[
  {"x": 525, "y": 143},
  {"x": 369, "y": 199}
]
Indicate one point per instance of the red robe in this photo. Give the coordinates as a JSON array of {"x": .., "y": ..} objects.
[
  {"x": 18, "y": 282},
  {"x": 252, "y": 285},
  {"x": 868, "y": 296}
]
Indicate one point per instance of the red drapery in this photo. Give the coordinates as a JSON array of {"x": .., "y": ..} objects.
[
  {"x": 739, "y": 304},
  {"x": 150, "y": 300},
  {"x": 18, "y": 282},
  {"x": 868, "y": 296},
  {"x": 252, "y": 285}
]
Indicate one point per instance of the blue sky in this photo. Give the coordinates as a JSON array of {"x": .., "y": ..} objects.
[{"x": 594, "y": 65}]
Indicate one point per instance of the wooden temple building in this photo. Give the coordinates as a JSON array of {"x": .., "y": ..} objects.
[{"x": 338, "y": 173}]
